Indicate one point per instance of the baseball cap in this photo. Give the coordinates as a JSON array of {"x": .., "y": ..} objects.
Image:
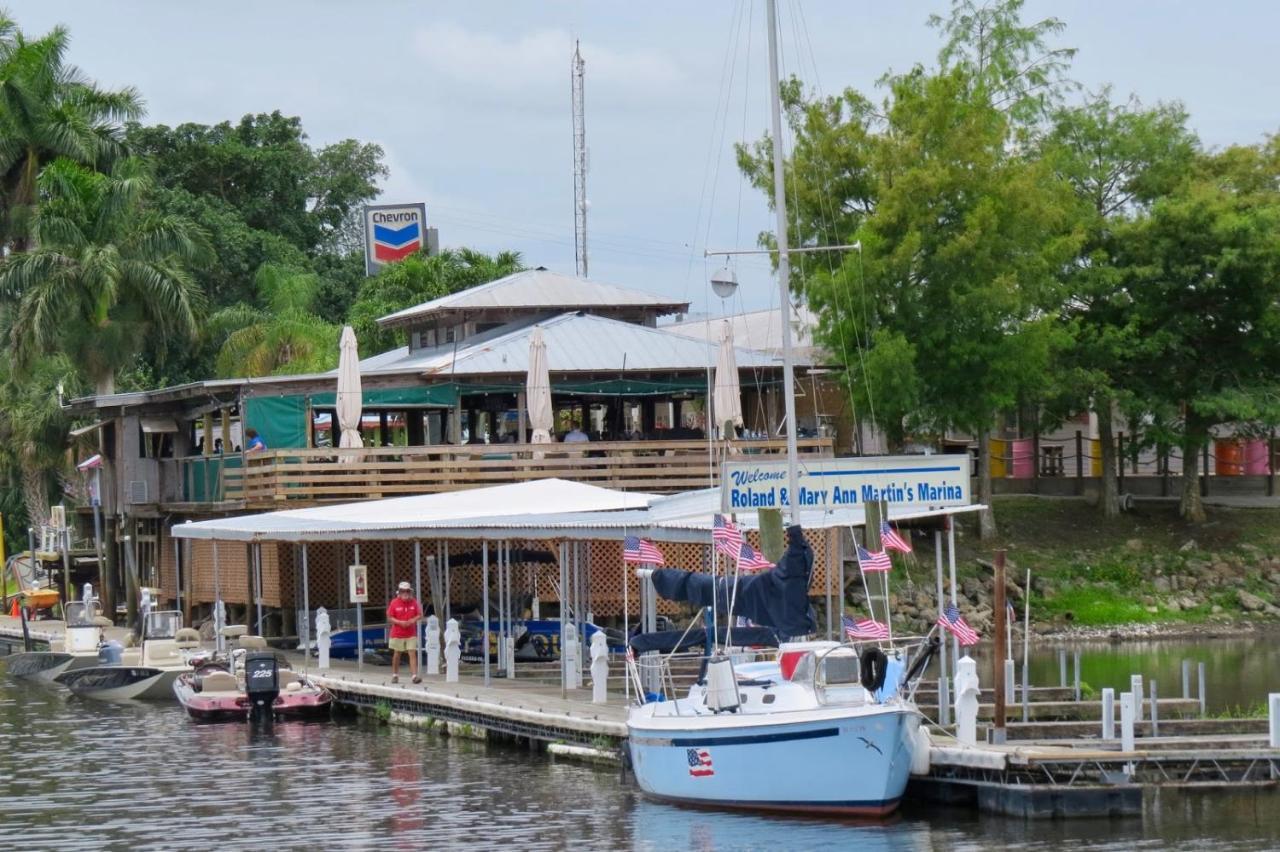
[{"x": 404, "y": 586}]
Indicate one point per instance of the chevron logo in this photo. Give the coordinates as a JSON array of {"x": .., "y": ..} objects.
[{"x": 394, "y": 232}]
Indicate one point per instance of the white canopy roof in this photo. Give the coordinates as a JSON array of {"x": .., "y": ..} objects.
[{"x": 543, "y": 508}]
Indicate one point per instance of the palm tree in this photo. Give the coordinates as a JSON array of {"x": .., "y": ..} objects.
[
  {"x": 105, "y": 272},
  {"x": 50, "y": 109},
  {"x": 285, "y": 337},
  {"x": 33, "y": 432}
]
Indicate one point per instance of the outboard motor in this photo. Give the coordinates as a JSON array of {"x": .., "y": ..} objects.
[
  {"x": 261, "y": 682},
  {"x": 110, "y": 653}
]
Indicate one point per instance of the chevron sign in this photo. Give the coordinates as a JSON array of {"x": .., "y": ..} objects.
[{"x": 392, "y": 233}]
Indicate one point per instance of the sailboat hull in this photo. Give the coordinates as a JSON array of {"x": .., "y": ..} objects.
[{"x": 852, "y": 764}]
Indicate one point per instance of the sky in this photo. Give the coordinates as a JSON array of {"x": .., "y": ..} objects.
[{"x": 471, "y": 100}]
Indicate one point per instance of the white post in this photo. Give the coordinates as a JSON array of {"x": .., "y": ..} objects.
[
  {"x": 1128, "y": 711},
  {"x": 599, "y": 668},
  {"x": 1273, "y": 706},
  {"x": 1108, "y": 713},
  {"x": 322, "y": 636},
  {"x": 944, "y": 699},
  {"x": 1186, "y": 679},
  {"x": 1135, "y": 687},
  {"x": 1200, "y": 687},
  {"x": 966, "y": 692},
  {"x": 573, "y": 671},
  {"x": 452, "y": 652},
  {"x": 433, "y": 645},
  {"x": 1010, "y": 677},
  {"x": 510, "y": 656}
]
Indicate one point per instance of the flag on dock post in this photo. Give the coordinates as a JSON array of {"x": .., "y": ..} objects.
[
  {"x": 750, "y": 559},
  {"x": 954, "y": 623},
  {"x": 636, "y": 549},
  {"x": 868, "y": 561},
  {"x": 864, "y": 628},
  {"x": 726, "y": 536},
  {"x": 890, "y": 539}
]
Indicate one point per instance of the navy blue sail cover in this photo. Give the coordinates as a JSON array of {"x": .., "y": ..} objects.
[{"x": 777, "y": 598}]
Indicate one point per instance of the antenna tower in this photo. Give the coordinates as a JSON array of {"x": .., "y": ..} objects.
[{"x": 579, "y": 164}]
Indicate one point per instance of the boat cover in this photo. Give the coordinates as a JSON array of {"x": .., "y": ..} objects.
[
  {"x": 777, "y": 598},
  {"x": 672, "y": 641}
]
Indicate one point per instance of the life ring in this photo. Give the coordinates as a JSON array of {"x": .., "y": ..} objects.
[
  {"x": 873, "y": 667},
  {"x": 541, "y": 645}
]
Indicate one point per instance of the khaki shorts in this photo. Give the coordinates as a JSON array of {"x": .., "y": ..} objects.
[{"x": 408, "y": 643}]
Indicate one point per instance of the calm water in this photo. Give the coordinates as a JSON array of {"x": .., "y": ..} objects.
[{"x": 77, "y": 774}]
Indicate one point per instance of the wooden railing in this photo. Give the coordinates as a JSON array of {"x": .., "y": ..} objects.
[{"x": 326, "y": 475}]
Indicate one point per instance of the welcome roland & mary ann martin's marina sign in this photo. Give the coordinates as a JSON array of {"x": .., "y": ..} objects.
[{"x": 923, "y": 481}]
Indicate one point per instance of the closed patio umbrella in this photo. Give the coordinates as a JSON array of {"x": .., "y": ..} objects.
[
  {"x": 727, "y": 397},
  {"x": 349, "y": 398},
  {"x": 538, "y": 389}
]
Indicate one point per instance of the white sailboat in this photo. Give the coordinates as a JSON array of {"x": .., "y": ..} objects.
[{"x": 818, "y": 728}]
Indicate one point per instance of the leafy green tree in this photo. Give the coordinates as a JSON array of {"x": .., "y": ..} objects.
[
  {"x": 33, "y": 432},
  {"x": 285, "y": 337},
  {"x": 1202, "y": 269},
  {"x": 105, "y": 272},
  {"x": 419, "y": 279},
  {"x": 50, "y": 109},
  {"x": 1118, "y": 158}
]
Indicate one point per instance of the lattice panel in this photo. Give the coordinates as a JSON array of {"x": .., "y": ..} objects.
[{"x": 232, "y": 572}]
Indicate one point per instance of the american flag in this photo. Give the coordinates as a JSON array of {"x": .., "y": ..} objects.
[
  {"x": 864, "y": 628},
  {"x": 952, "y": 621},
  {"x": 636, "y": 549},
  {"x": 726, "y": 536},
  {"x": 699, "y": 762},
  {"x": 891, "y": 540},
  {"x": 868, "y": 561},
  {"x": 750, "y": 559}
]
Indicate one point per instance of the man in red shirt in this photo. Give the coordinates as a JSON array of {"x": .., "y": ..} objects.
[{"x": 403, "y": 614}]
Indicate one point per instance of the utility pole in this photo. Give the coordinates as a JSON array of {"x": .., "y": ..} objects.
[{"x": 577, "y": 78}]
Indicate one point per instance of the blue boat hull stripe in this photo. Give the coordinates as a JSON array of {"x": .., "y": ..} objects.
[{"x": 746, "y": 739}]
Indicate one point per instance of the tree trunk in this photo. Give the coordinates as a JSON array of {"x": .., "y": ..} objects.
[
  {"x": 1109, "y": 497},
  {"x": 105, "y": 384},
  {"x": 987, "y": 517},
  {"x": 1192, "y": 507},
  {"x": 35, "y": 493}
]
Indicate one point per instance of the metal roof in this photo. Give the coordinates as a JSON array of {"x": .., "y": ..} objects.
[
  {"x": 576, "y": 343},
  {"x": 756, "y": 329},
  {"x": 538, "y": 289}
]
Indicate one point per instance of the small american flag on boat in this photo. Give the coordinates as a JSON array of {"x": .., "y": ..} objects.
[
  {"x": 636, "y": 549},
  {"x": 750, "y": 559},
  {"x": 864, "y": 628},
  {"x": 699, "y": 762},
  {"x": 891, "y": 539},
  {"x": 726, "y": 536},
  {"x": 868, "y": 561},
  {"x": 955, "y": 623}
]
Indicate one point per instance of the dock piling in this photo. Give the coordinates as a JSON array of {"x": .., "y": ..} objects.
[
  {"x": 1186, "y": 678},
  {"x": 1076, "y": 673},
  {"x": 1108, "y": 713},
  {"x": 1155, "y": 711},
  {"x": 1127, "y": 704},
  {"x": 1062, "y": 667},
  {"x": 1273, "y": 706},
  {"x": 1026, "y": 693},
  {"x": 1135, "y": 687},
  {"x": 1200, "y": 674}
]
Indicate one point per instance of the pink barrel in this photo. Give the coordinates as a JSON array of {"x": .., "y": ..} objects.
[
  {"x": 1255, "y": 457},
  {"x": 1024, "y": 458}
]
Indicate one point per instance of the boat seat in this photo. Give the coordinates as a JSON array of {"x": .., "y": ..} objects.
[
  {"x": 234, "y": 631},
  {"x": 187, "y": 637},
  {"x": 251, "y": 642},
  {"x": 219, "y": 682},
  {"x": 102, "y": 621},
  {"x": 160, "y": 651},
  {"x": 287, "y": 677}
]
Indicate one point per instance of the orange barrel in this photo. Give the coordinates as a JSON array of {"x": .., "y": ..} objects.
[
  {"x": 1256, "y": 462},
  {"x": 999, "y": 450},
  {"x": 1228, "y": 457},
  {"x": 1024, "y": 458}
]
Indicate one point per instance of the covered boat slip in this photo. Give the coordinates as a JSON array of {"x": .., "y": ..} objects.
[{"x": 505, "y": 550}]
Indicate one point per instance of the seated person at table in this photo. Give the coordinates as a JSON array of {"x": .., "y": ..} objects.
[{"x": 575, "y": 435}]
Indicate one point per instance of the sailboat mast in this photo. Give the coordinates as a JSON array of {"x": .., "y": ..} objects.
[{"x": 784, "y": 263}]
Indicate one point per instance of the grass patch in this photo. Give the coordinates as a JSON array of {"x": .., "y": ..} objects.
[{"x": 1096, "y": 605}]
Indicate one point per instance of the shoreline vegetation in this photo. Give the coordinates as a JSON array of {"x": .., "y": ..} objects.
[{"x": 1145, "y": 574}]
